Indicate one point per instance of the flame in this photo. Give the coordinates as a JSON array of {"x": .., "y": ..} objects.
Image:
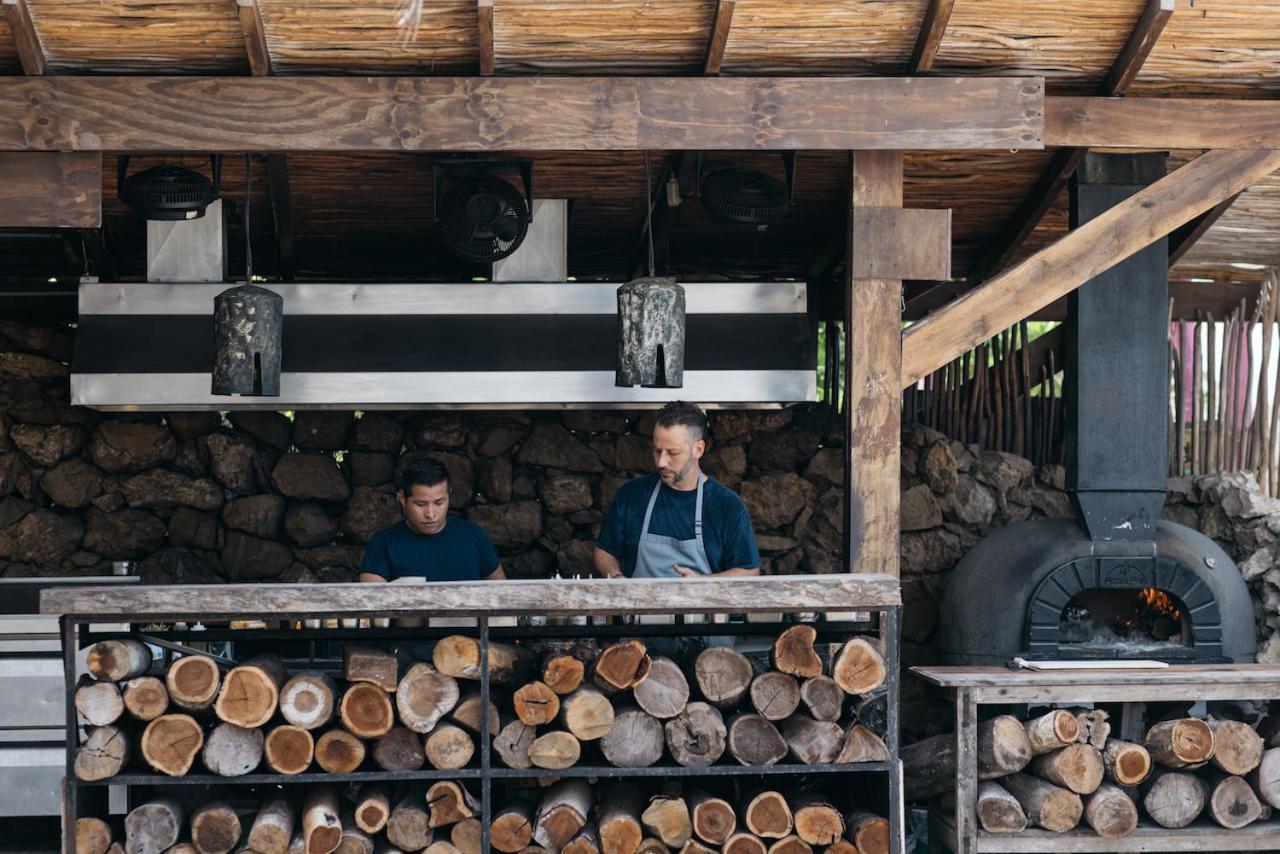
[{"x": 1160, "y": 602}]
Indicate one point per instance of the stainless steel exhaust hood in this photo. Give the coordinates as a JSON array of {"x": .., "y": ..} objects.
[{"x": 149, "y": 346}]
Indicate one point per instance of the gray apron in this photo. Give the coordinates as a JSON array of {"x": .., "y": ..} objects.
[{"x": 657, "y": 555}]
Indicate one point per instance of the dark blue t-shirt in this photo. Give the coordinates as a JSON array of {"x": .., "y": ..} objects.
[
  {"x": 726, "y": 527},
  {"x": 460, "y": 552}
]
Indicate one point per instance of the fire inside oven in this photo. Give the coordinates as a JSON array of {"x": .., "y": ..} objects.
[{"x": 1125, "y": 622}]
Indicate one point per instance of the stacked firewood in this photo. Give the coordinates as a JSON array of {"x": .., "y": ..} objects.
[
  {"x": 442, "y": 818},
  {"x": 571, "y": 819},
  {"x": 633, "y": 706},
  {"x": 1061, "y": 767}
]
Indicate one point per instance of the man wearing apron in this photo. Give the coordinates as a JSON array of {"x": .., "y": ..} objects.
[{"x": 677, "y": 522}]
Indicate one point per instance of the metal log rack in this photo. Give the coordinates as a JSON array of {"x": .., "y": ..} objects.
[
  {"x": 872, "y": 600},
  {"x": 972, "y": 687}
]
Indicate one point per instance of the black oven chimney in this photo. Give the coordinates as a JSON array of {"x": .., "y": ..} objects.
[{"x": 1117, "y": 391}]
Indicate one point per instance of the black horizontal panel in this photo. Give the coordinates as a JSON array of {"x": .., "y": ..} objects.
[{"x": 388, "y": 343}]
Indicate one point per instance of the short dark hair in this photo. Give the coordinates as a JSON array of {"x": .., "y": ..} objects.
[
  {"x": 688, "y": 415},
  {"x": 425, "y": 471}
]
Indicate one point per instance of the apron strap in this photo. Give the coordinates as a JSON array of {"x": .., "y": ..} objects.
[
  {"x": 697, "y": 512},
  {"x": 648, "y": 513}
]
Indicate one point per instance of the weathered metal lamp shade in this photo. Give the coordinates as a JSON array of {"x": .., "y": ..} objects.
[
  {"x": 650, "y": 334},
  {"x": 248, "y": 334}
]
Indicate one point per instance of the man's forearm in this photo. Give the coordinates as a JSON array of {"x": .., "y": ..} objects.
[
  {"x": 372, "y": 577},
  {"x": 606, "y": 565},
  {"x": 738, "y": 571}
]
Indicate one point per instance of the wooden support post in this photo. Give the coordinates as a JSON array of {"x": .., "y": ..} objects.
[{"x": 873, "y": 312}]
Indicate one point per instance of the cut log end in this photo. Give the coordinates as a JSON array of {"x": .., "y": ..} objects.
[
  {"x": 193, "y": 682},
  {"x": 858, "y": 667},
  {"x": 793, "y": 652}
]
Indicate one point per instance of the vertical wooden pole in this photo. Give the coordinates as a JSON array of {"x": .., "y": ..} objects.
[{"x": 873, "y": 328}]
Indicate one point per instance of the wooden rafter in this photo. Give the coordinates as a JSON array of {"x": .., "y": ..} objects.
[
  {"x": 1184, "y": 237},
  {"x": 30, "y": 53},
  {"x": 1049, "y": 186},
  {"x": 1160, "y": 124},
  {"x": 484, "y": 23},
  {"x": 1082, "y": 254},
  {"x": 719, "y": 37},
  {"x": 930, "y": 37},
  {"x": 528, "y": 113},
  {"x": 255, "y": 37}
]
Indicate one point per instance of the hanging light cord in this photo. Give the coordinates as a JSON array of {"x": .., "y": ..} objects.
[
  {"x": 648, "y": 210},
  {"x": 248, "y": 198}
]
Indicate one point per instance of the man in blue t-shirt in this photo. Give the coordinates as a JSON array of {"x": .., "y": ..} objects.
[
  {"x": 429, "y": 542},
  {"x": 677, "y": 522}
]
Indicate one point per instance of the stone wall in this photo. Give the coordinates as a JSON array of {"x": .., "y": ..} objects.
[{"x": 250, "y": 496}]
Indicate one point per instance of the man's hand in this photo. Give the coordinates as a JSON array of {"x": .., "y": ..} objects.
[{"x": 686, "y": 571}]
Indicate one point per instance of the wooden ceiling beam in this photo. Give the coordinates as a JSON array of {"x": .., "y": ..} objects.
[
  {"x": 225, "y": 114},
  {"x": 484, "y": 23},
  {"x": 1083, "y": 253},
  {"x": 1151, "y": 23},
  {"x": 1160, "y": 124},
  {"x": 932, "y": 29},
  {"x": 25, "y": 37},
  {"x": 255, "y": 37},
  {"x": 719, "y": 37}
]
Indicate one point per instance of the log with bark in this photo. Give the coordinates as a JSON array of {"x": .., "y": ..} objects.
[
  {"x": 450, "y": 802},
  {"x": 375, "y": 666},
  {"x": 145, "y": 698},
  {"x": 308, "y": 700},
  {"x": 652, "y": 845},
  {"x": 170, "y": 744},
  {"x": 365, "y": 710},
  {"x": 812, "y": 742},
  {"x": 621, "y": 666},
  {"x": 1183, "y": 743},
  {"x": 723, "y": 676},
  {"x": 449, "y": 747},
  {"x": 512, "y": 744},
  {"x": 354, "y": 840},
  {"x": 563, "y": 812},
  {"x": 1077, "y": 767},
  {"x": 321, "y": 822},
  {"x": 1095, "y": 728},
  {"x": 587, "y": 841},
  {"x": 840, "y": 846},
  {"x": 668, "y": 819},
  {"x": 1266, "y": 777},
  {"x": 409, "y": 825},
  {"x": 289, "y": 749},
  {"x": 862, "y": 745},
  {"x": 272, "y": 827},
  {"x": 1048, "y": 806},
  {"x": 618, "y": 819},
  {"x": 1237, "y": 747},
  {"x": 535, "y": 703},
  {"x": 459, "y": 656},
  {"x": 563, "y": 672},
  {"x": 793, "y": 652},
  {"x": 511, "y": 830},
  {"x": 465, "y": 836},
  {"x": 774, "y": 695},
  {"x": 1174, "y": 799},
  {"x": 744, "y": 843},
  {"x": 664, "y": 692},
  {"x": 467, "y": 714},
  {"x": 339, "y": 752},
  {"x": 858, "y": 667},
  {"x": 929, "y": 766},
  {"x": 998, "y": 811},
  {"x": 822, "y": 697},
  {"x": 215, "y": 828},
  {"x": 792, "y": 844},
  {"x": 1124, "y": 763},
  {"x": 399, "y": 750},
  {"x": 752, "y": 740},
  {"x": 93, "y": 836},
  {"x": 153, "y": 827},
  {"x": 697, "y": 736},
  {"x": 373, "y": 807},
  {"x": 555, "y": 750},
  {"x": 587, "y": 713},
  {"x": 714, "y": 819},
  {"x": 1052, "y": 731},
  {"x": 634, "y": 741},
  {"x": 105, "y": 751},
  {"x": 118, "y": 660},
  {"x": 1232, "y": 802},
  {"x": 99, "y": 703},
  {"x": 767, "y": 814},
  {"x": 250, "y": 692},
  {"x": 193, "y": 682},
  {"x": 425, "y": 695},
  {"x": 868, "y": 832},
  {"x": 1110, "y": 812},
  {"x": 817, "y": 821},
  {"x": 233, "y": 751}
]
